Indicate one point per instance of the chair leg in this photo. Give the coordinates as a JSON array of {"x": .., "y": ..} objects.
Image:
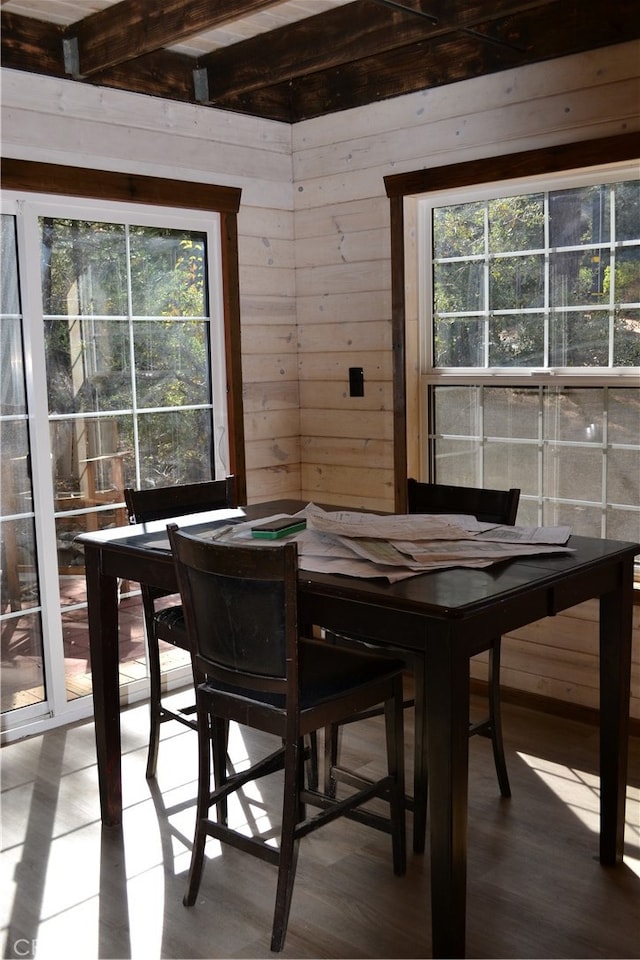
[
  {"x": 495, "y": 716},
  {"x": 288, "y": 856},
  {"x": 219, "y": 745},
  {"x": 313, "y": 775},
  {"x": 394, "y": 728},
  {"x": 204, "y": 786},
  {"x": 155, "y": 701},
  {"x": 302, "y": 807},
  {"x": 332, "y": 736},
  {"x": 420, "y": 764}
]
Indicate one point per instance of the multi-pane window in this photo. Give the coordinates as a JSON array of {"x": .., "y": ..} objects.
[
  {"x": 530, "y": 305},
  {"x": 126, "y": 326}
]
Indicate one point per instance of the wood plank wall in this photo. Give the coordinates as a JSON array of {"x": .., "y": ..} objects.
[
  {"x": 315, "y": 269},
  {"x": 343, "y": 291}
]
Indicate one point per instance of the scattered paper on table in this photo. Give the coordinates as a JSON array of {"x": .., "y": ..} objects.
[{"x": 397, "y": 546}]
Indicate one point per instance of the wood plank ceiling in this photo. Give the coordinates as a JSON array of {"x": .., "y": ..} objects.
[{"x": 295, "y": 59}]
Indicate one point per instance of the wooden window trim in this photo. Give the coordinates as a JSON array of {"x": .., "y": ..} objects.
[
  {"x": 32, "y": 176},
  {"x": 528, "y": 163}
]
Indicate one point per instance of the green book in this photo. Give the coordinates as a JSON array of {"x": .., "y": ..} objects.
[{"x": 275, "y": 529}]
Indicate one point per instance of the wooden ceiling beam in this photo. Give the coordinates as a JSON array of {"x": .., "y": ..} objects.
[
  {"x": 162, "y": 73},
  {"x": 26, "y": 42},
  {"x": 359, "y": 30},
  {"x": 436, "y": 62},
  {"x": 170, "y": 75},
  {"x": 134, "y": 28}
]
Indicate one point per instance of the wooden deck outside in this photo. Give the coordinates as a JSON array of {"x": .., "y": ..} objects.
[{"x": 22, "y": 673}]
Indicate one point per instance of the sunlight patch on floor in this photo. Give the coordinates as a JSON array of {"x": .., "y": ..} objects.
[
  {"x": 53, "y": 931},
  {"x": 633, "y": 863},
  {"x": 145, "y": 897},
  {"x": 247, "y": 811},
  {"x": 580, "y": 792}
]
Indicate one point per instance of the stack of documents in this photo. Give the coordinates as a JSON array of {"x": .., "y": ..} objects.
[{"x": 397, "y": 546}]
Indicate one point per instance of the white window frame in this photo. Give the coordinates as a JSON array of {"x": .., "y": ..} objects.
[{"x": 608, "y": 173}]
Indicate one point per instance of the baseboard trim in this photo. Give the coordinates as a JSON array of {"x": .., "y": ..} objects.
[{"x": 558, "y": 708}]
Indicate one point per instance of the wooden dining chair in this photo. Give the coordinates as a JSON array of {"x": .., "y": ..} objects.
[
  {"x": 240, "y": 605},
  {"x": 490, "y": 506},
  {"x": 167, "y": 622}
]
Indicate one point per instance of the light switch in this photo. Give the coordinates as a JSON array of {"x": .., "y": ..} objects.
[{"x": 356, "y": 382}]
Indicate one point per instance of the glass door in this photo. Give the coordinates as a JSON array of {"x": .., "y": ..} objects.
[{"x": 114, "y": 376}]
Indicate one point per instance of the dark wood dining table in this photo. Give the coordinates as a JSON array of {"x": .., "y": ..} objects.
[{"x": 447, "y": 616}]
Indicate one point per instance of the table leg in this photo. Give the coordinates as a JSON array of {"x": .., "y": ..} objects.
[
  {"x": 616, "y": 613},
  {"x": 102, "y": 601},
  {"x": 421, "y": 759},
  {"x": 447, "y": 678}
]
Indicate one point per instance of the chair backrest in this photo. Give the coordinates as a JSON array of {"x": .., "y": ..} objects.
[
  {"x": 490, "y": 506},
  {"x": 240, "y": 608},
  {"x": 162, "y": 503}
]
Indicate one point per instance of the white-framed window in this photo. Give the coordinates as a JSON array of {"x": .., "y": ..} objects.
[
  {"x": 113, "y": 375},
  {"x": 529, "y": 319}
]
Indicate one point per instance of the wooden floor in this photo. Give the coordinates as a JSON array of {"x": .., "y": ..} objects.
[{"x": 535, "y": 887}]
